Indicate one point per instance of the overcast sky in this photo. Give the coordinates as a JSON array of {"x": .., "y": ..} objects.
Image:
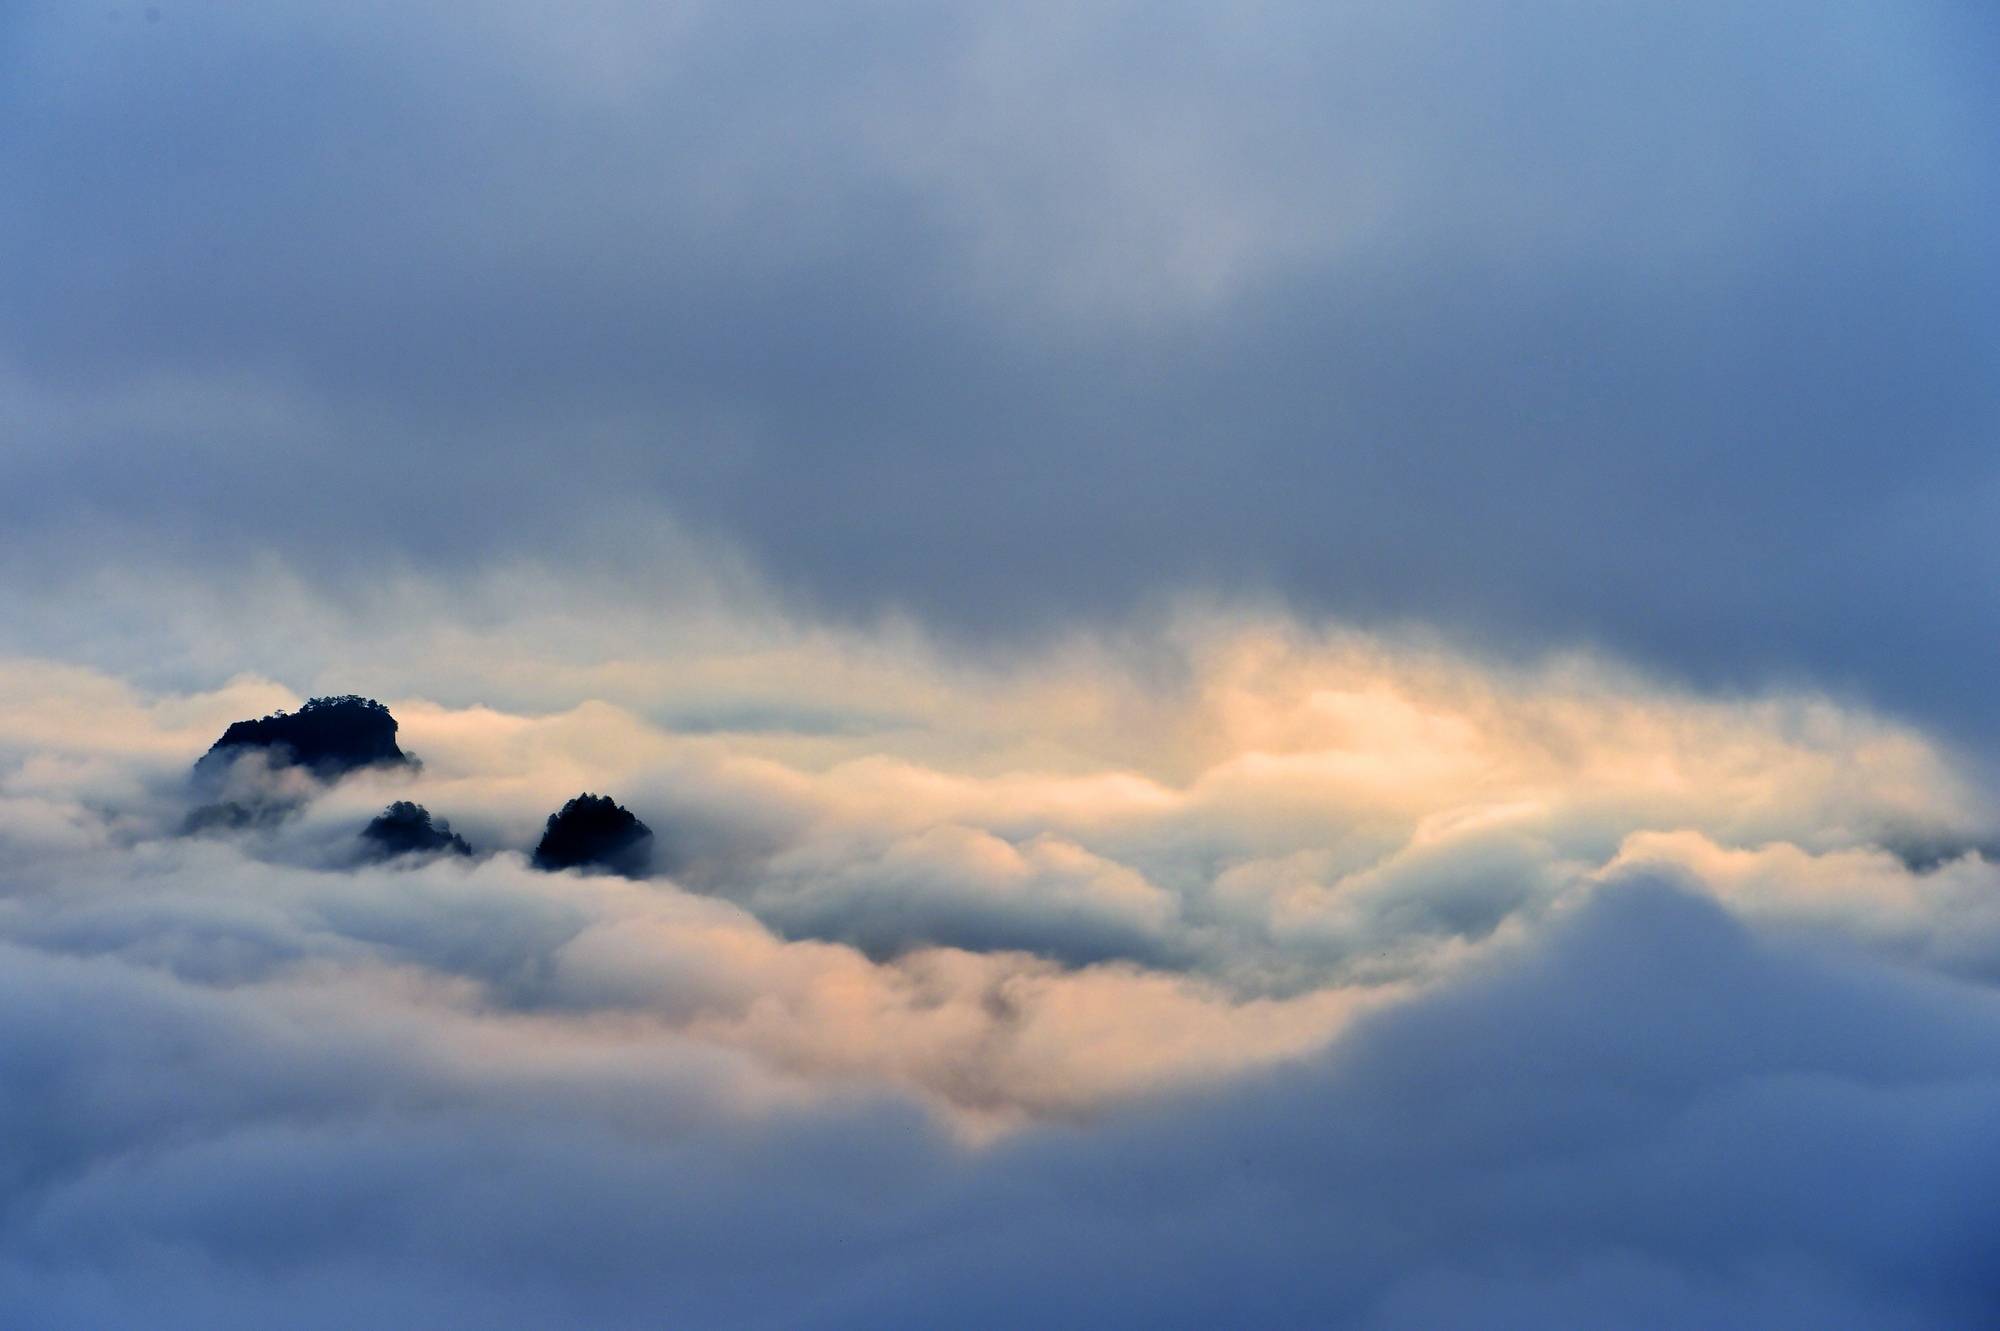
[
  {"x": 1669, "y": 329},
  {"x": 1295, "y": 664}
]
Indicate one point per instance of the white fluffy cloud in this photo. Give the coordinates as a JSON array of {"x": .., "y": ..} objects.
[{"x": 1225, "y": 951}]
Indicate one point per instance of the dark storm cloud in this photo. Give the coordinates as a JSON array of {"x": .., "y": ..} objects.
[{"x": 1669, "y": 327}]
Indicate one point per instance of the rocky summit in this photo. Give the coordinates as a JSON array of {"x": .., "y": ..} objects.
[
  {"x": 405, "y": 828},
  {"x": 594, "y": 831},
  {"x": 329, "y": 736}
]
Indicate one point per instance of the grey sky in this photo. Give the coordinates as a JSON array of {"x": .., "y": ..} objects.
[{"x": 1668, "y": 328}]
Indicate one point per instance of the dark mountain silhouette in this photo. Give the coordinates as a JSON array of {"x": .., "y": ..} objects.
[
  {"x": 407, "y": 829},
  {"x": 262, "y": 771},
  {"x": 593, "y": 831},
  {"x": 329, "y": 736}
]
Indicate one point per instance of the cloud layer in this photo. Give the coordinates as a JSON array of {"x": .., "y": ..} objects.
[
  {"x": 1293, "y": 665},
  {"x": 1367, "y": 985}
]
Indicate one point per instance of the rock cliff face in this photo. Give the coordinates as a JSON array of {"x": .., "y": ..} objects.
[
  {"x": 593, "y": 831},
  {"x": 407, "y": 829},
  {"x": 329, "y": 736}
]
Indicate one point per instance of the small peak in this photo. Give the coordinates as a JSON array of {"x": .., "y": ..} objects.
[
  {"x": 405, "y": 828},
  {"x": 594, "y": 831}
]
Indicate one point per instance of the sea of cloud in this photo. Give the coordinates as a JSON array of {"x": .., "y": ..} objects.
[{"x": 1230, "y": 970}]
